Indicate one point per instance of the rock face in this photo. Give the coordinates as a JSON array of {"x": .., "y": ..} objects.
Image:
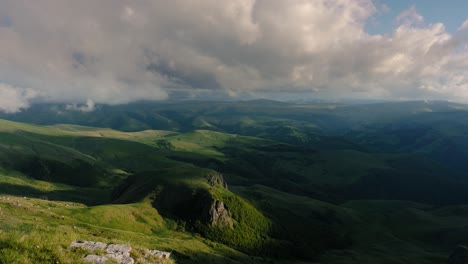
[
  {"x": 215, "y": 178},
  {"x": 117, "y": 252},
  {"x": 459, "y": 256},
  {"x": 218, "y": 215},
  {"x": 193, "y": 205}
]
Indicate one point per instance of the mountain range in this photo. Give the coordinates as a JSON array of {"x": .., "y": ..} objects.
[{"x": 239, "y": 182}]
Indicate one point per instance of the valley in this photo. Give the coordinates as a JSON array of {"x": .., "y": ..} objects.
[{"x": 237, "y": 182}]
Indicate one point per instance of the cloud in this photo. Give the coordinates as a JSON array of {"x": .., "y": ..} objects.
[
  {"x": 13, "y": 99},
  {"x": 410, "y": 16},
  {"x": 117, "y": 51},
  {"x": 89, "y": 106},
  {"x": 464, "y": 26}
]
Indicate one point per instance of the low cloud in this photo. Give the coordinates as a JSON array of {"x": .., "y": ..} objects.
[
  {"x": 117, "y": 51},
  {"x": 89, "y": 106},
  {"x": 13, "y": 99}
]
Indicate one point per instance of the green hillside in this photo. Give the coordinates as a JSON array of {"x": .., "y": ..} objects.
[
  {"x": 51, "y": 163},
  {"x": 239, "y": 182}
]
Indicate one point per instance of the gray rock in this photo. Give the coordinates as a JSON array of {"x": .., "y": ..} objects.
[
  {"x": 89, "y": 245},
  {"x": 218, "y": 215},
  {"x": 459, "y": 256},
  {"x": 95, "y": 259},
  {"x": 120, "y": 253},
  {"x": 117, "y": 252},
  {"x": 120, "y": 258},
  {"x": 216, "y": 178},
  {"x": 118, "y": 248},
  {"x": 159, "y": 254}
]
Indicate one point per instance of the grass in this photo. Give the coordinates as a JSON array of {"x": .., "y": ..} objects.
[
  {"x": 200, "y": 141},
  {"x": 282, "y": 204},
  {"x": 136, "y": 223},
  {"x": 14, "y": 183},
  {"x": 83, "y": 131},
  {"x": 38, "y": 231}
]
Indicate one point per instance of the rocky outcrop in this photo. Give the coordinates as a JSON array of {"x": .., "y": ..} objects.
[
  {"x": 119, "y": 253},
  {"x": 459, "y": 256},
  {"x": 192, "y": 206},
  {"x": 216, "y": 179},
  {"x": 216, "y": 214}
]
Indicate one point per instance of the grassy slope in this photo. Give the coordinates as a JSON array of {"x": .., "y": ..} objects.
[
  {"x": 371, "y": 231},
  {"x": 40, "y": 230},
  {"x": 126, "y": 153},
  {"x": 139, "y": 218}
]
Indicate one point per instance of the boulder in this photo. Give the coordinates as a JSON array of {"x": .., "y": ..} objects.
[
  {"x": 159, "y": 254},
  {"x": 118, "y": 252},
  {"x": 88, "y": 245},
  {"x": 95, "y": 259}
]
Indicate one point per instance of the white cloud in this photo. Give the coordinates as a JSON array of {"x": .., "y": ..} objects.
[
  {"x": 410, "y": 17},
  {"x": 89, "y": 106},
  {"x": 117, "y": 51},
  {"x": 464, "y": 26},
  {"x": 14, "y": 99}
]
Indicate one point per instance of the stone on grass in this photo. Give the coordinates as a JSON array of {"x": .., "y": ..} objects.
[
  {"x": 159, "y": 254},
  {"x": 89, "y": 245},
  {"x": 116, "y": 252},
  {"x": 95, "y": 259}
]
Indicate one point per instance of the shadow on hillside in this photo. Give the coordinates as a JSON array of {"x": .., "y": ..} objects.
[
  {"x": 79, "y": 195},
  {"x": 202, "y": 257}
]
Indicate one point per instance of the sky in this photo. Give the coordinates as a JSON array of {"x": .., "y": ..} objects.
[
  {"x": 90, "y": 52},
  {"x": 451, "y": 13}
]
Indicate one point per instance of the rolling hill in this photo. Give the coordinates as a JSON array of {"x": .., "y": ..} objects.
[{"x": 240, "y": 182}]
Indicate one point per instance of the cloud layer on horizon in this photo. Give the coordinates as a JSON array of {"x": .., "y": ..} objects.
[{"x": 118, "y": 51}]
